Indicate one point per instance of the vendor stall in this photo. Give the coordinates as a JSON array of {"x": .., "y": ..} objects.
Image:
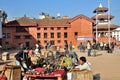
[{"x": 40, "y": 74}]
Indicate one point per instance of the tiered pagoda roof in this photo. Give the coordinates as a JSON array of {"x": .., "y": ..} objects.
[
  {"x": 103, "y": 16},
  {"x": 100, "y": 9},
  {"x": 105, "y": 26}
]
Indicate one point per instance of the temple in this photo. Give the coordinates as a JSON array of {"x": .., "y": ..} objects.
[{"x": 100, "y": 28}]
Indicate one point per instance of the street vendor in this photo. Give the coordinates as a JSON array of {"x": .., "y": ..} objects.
[
  {"x": 21, "y": 57},
  {"x": 84, "y": 65}
]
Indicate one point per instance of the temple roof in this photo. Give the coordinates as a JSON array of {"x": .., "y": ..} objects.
[
  {"x": 102, "y": 16},
  {"x": 100, "y": 9},
  {"x": 105, "y": 26}
]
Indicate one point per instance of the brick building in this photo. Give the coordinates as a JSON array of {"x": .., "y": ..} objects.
[{"x": 57, "y": 31}]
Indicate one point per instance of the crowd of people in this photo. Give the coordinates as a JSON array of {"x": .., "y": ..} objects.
[
  {"x": 67, "y": 61},
  {"x": 96, "y": 46},
  {"x": 69, "y": 58}
]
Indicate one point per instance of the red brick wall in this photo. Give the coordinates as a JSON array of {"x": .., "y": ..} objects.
[
  {"x": 13, "y": 42},
  {"x": 83, "y": 27},
  {"x": 10, "y": 40},
  {"x": 79, "y": 24},
  {"x": 55, "y": 31}
]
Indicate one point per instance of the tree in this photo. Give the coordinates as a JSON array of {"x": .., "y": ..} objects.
[{"x": 3, "y": 15}]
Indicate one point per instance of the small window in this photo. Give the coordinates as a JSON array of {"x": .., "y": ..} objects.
[
  {"x": 45, "y": 41},
  {"x": 59, "y": 41},
  {"x": 52, "y": 42},
  {"x": 38, "y": 41},
  {"x": 45, "y": 28},
  {"x": 65, "y": 28},
  {"x": 38, "y": 35},
  {"x": 51, "y": 28},
  {"x": 45, "y": 35},
  {"x": 65, "y": 41},
  {"x": 22, "y": 29},
  {"x": 27, "y": 36},
  {"x": 17, "y": 37},
  {"x": 58, "y": 28},
  {"x": 8, "y": 35},
  {"x": 52, "y": 35},
  {"x": 38, "y": 28},
  {"x": 4, "y": 35},
  {"x": 76, "y": 34},
  {"x": 58, "y": 35},
  {"x": 6, "y": 42},
  {"x": 65, "y": 35},
  {"x": 19, "y": 44}
]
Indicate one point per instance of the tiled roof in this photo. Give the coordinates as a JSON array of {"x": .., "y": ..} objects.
[
  {"x": 105, "y": 26},
  {"x": 22, "y": 21},
  {"x": 82, "y": 16},
  {"x": 103, "y": 16},
  {"x": 100, "y": 9},
  {"x": 53, "y": 22},
  {"x": 25, "y": 21}
]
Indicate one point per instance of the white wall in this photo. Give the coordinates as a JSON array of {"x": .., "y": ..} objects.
[{"x": 116, "y": 34}]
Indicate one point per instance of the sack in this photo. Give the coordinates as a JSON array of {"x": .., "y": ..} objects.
[{"x": 2, "y": 76}]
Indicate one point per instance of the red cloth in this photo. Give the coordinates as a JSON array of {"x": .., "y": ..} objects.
[
  {"x": 53, "y": 74},
  {"x": 40, "y": 69}
]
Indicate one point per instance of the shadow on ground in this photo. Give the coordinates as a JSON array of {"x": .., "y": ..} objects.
[{"x": 96, "y": 55}]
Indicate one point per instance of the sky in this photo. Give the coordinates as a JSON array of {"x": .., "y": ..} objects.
[{"x": 72, "y": 8}]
